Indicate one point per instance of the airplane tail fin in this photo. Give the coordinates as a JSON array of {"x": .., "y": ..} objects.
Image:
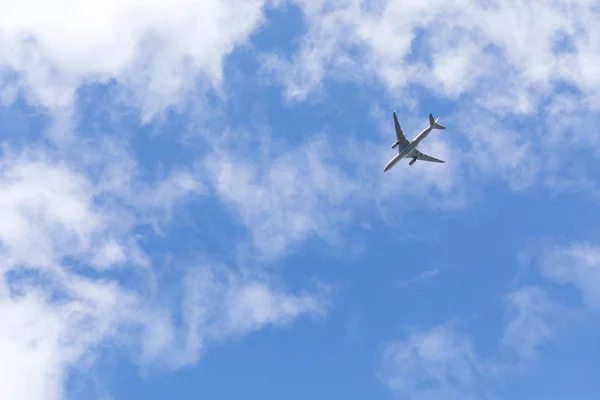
[{"x": 434, "y": 124}]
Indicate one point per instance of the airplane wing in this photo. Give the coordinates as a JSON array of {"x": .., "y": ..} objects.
[
  {"x": 423, "y": 157},
  {"x": 402, "y": 141}
]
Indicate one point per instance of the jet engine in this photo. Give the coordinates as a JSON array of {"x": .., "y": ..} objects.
[
  {"x": 414, "y": 160},
  {"x": 395, "y": 145}
]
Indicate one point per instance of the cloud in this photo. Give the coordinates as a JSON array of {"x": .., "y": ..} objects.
[
  {"x": 41, "y": 338},
  {"x": 285, "y": 196},
  {"x": 297, "y": 195},
  {"x": 71, "y": 219},
  {"x": 496, "y": 149},
  {"x": 217, "y": 304},
  {"x": 533, "y": 317},
  {"x": 47, "y": 212},
  {"x": 442, "y": 362},
  {"x": 493, "y": 60},
  {"x": 156, "y": 51},
  {"x": 152, "y": 49},
  {"x": 68, "y": 236},
  {"x": 431, "y": 364},
  {"x": 449, "y": 48},
  {"x": 167, "y": 50},
  {"x": 539, "y": 313},
  {"x": 577, "y": 265},
  {"x": 423, "y": 276}
]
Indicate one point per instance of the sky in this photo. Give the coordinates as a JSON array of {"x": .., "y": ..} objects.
[{"x": 193, "y": 203}]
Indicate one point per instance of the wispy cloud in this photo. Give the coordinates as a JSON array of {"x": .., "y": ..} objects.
[
  {"x": 66, "y": 236},
  {"x": 287, "y": 195},
  {"x": 474, "y": 54},
  {"x": 291, "y": 202},
  {"x": 452, "y": 48},
  {"x": 576, "y": 264},
  {"x": 431, "y": 364},
  {"x": 220, "y": 303},
  {"x": 297, "y": 195},
  {"x": 423, "y": 276},
  {"x": 533, "y": 318},
  {"x": 70, "y": 218},
  {"x": 443, "y": 362}
]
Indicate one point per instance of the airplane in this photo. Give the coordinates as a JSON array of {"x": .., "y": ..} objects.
[{"x": 408, "y": 149}]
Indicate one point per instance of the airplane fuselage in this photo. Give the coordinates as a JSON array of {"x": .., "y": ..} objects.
[{"x": 409, "y": 148}]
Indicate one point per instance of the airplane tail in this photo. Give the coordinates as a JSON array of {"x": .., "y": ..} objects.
[{"x": 434, "y": 124}]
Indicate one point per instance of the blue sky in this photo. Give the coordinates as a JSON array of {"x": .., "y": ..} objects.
[{"x": 194, "y": 205}]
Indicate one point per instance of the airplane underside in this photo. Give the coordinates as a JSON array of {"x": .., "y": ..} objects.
[{"x": 408, "y": 149}]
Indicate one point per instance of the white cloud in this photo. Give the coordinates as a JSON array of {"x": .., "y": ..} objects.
[
  {"x": 438, "y": 363},
  {"x": 158, "y": 51},
  {"x": 45, "y": 208},
  {"x": 51, "y": 209},
  {"x": 155, "y": 49},
  {"x": 64, "y": 223},
  {"x": 506, "y": 49},
  {"x": 577, "y": 265},
  {"x": 533, "y": 318},
  {"x": 443, "y": 363},
  {"x": 494, "y": 149},
  {"x": 41, "y": 338},
  {"x": 423, "y": 276},
  {"x": 57, "y": 219},
  {"x": 286, "y": 196},
  {"x": 499, "y": 58},
  {"x": 218, "y": 304},
  {"x": 298, "y": 195}
]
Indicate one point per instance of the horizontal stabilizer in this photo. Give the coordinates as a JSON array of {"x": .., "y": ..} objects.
[{"x": 434, "y": 124}]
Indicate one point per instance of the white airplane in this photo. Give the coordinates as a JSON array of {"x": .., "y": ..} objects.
[{"x": 408, "y": 149}]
